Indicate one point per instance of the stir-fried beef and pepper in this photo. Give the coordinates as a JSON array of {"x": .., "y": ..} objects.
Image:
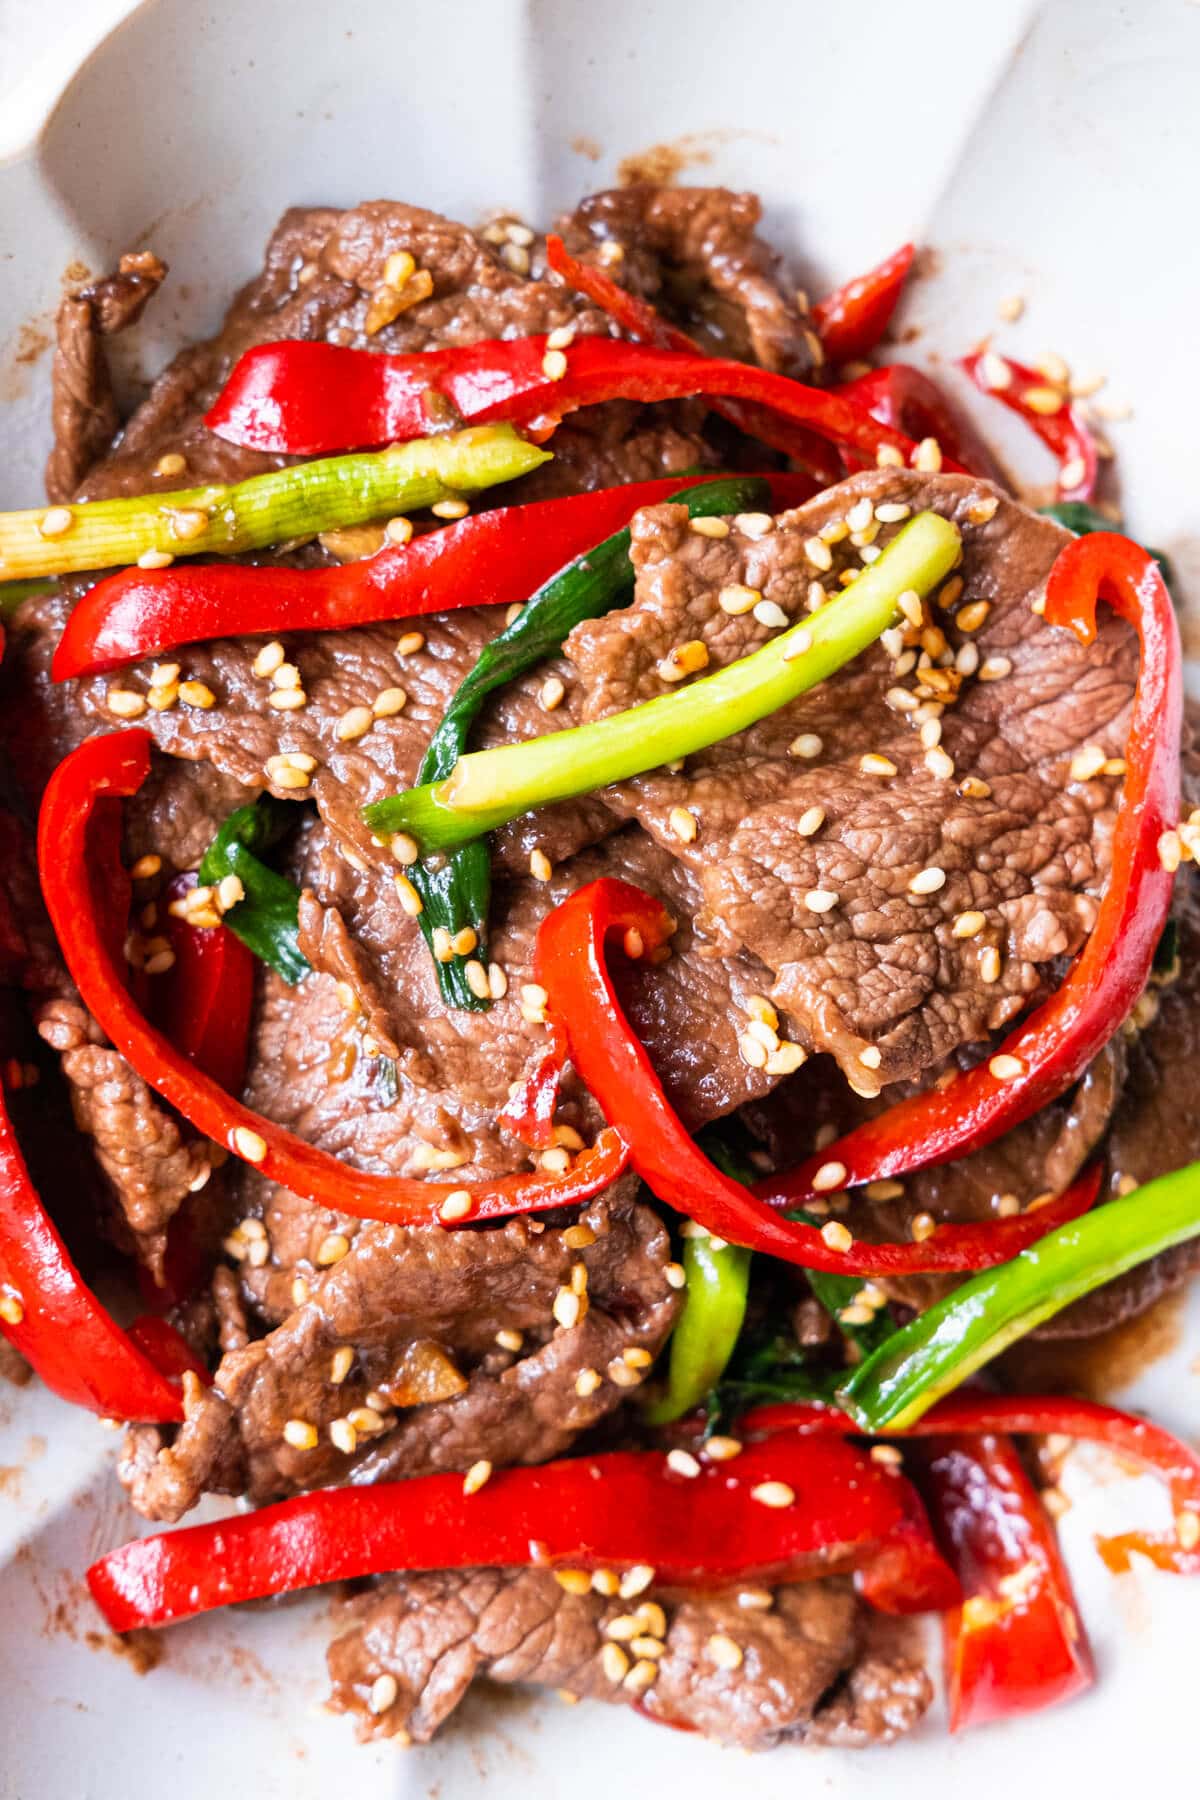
[{"x": 609, "y": 906}]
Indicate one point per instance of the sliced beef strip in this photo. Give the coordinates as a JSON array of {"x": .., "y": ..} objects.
[
  {"x": 807, "y": 1673},
  {"x": 881, "y": 972},
  {"x": 400, "y": 1288},
  {"x": 83, "y": 408},
  {"x": 696, "y": 253}
]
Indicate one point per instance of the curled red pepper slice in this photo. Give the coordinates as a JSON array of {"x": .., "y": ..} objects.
[
  {"x": 1062, "y": 429},
  {"x": 910, "y": 401},
  {"x": 494, "y": 558},
  {"x": 617, "y": 1510},
  {"x": 1089, "y": 1421},
  {"x": 1016, "y": 1644},
  {"x": 1052, "y": 1047},
  {"x": 571, "y": 964},
  {"x": 638, "y": 319},
  {"x": 105, "y": 770},
  {"x": 852, "y": 319},
  {"x": 205, "y": 998},
  {"x": 308, "y": 398}
]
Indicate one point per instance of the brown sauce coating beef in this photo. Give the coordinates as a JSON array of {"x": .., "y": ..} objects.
[{"x": 809, "y": 1671}]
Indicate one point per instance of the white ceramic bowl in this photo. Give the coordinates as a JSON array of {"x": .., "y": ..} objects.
[{"x": 1043, "y": 152}]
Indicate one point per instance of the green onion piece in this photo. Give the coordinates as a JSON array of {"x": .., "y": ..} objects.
[
  {"x": 837, "y": 1292},
  {"x": 456, "y": 893},
  {"x": 295, "y": 502},
  {"x": 15, "y": 593},
  {"x": 492, "y": 786},
  {"x": 266, "y": 920},
  {"x": 942, "y": 1347}
]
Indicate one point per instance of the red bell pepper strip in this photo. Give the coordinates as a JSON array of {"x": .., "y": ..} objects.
[
  {"x": 493, "y": 558},
  {"x": 571, "y": 965},
  {"x": 1133, "y": 1439},
  {"x": 167, "y": 1349},
  {"x": 1063, "y": 431},
  {"x": 52, "y": 1317},
  {"x": 638, "y": 319},
  {"x": 1052, "y": 1047},
  {"x": 205, "y": 998},
  {"x": 908, "y": 400},
  {"x": 1016, "y": 1644},
  {"x": 852, "y": 319},
  {"x": 87, "y": 785},
  {"x": 303, "y": 397},
  {"x": 615, "y": 1510},
  {"x": 529, "y": 1113}
]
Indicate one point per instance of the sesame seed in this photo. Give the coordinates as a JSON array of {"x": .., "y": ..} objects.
[
  {"x": 515, "y": 257},
  {"x": 799, "y": 644},
  {"x": 476, "y": 1475},
  {"x": 884, "y": 1190},
  {"x": 684, "y": 660},
  {"x": 452, "y": 507},
  {"x": 355, "y": 723},
  {"x": 1170, "y": 851},
  {"x": 722, "y": 1449},
  {"x": 928, "y": 456},
  {"x": 829, "y": 1176},
  {"x": 398, "y": 267},
  {"x": 383, "y": 1694},
  {"x": 737, "y": 599},
  {"x": 249, "y": 1144},
  {"x": 341, "y": 1364},
  {"x": 477, "y": 979},
  {"x": 556, "y": 1160},
  {"x": 786, "y": 1060},
  {"x": 534, "y": 995},
  {"x": 552, "y": 693},
  {"x": 561, "y": 338},
  {"x": 810, "y": 821},
  {"x": 366, "y": 1420},
  {"x": 197, "y": 693},
  {"x": 587, "y": 1381},
  {"x": 646, "y": 1645},
  {"x": 808, "y": 745},
  {"x": 125, "y": 703},
  {"x": 989, "y": 965},
  {"x": 1008, "y": 1206},
  {"x": 1006, "y": 1068},
  {"x": 287, "y": 699},
  {"x": 836, "y": 1236},
  {"x": 773, "y": 1493},
  {"x": 772, "y": 615},
  {"x": 874, "y": 764},
  {"x": 636, "y": 1580},
  {"x": 388, "y": 702},
  {"x": 818, "y": 553},
  {"x": 146, "y": 866},
  {"x": 12, "y": 1310},
  {"x": 443, "y": 948},
  {"x": 554, "y": 365},
  {"x": 913, "y": 608},
  {"x": 188, "y": 523},
  {"x": 332, "y": 1249},
  {"x": 871, "y": 1057},
  {"x": 1044, "y": 400},
  {"x": 635, "y": 943},
  {"x": 820, "y": 900},
  {"x": 972, "y": 616},
  {"x": 682, "y": 1462},
  {"x": 1187, "y": 1528},
  {"x": 901, "y": 699},
  {"x": 995, "y": 668},
  {"x": 887, "y": 1454},
  {"x": 300, "y": 1434},
  {"x": 343, "y": 1436},
  {"x": 300, "y": 1291},
  {"x": 269, "y": 660},
  {"x": 540, "y": 866},
  {"x": 968, "y": 925},
  {"x": 55, "y": 522},
  {"x": 641, "y": 1676},
  {"x": 939, "y": 764},
  {"x": 614, "y": 1663},
  {"x": 1072, "y": 473},
  {"x": 287, "y": 777},
  {"x": 676, "y": 1275},
  {"x": 888, "y": 457},
  {"x": 891, "y": 512},
  {"x": 621, "y": 1375},
  {"x": 923, "y": 1227},
  {"x": 566, "y": 1308},
  {"x": 927, "y": 881},
  {"x": 1087, "y": 762},
  {"x": 972, "y": 788},
  {"x": 606, "y": 1582},
  {"x": 683, "y": 824},
  {"x": 155, "y": 559},
  {"x": 709, "y": 528}
]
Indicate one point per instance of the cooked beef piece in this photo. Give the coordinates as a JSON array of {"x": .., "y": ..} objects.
[
  {"x": 808, "y": 1673},
  {"x": 83, "y": 408},
  {"x": 428, "y": 1384},
  {"x": 696, "y": 253},
  {"x": 881, "y": 972}
]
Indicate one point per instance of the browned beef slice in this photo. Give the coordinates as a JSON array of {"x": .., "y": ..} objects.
[
  {"x": 882, "y": 971},
  {"x": 83, "y": 409},
  {"x": 805, "y": 1673},
  {"x": 400, "y": 1288},
  {"x": 696, "y": 253}
]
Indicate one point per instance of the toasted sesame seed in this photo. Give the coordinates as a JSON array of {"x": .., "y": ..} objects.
[
  {"x": 384, "y": 1690},
  {"x": 874, "y": 764},
  {"x": 269, "y": 660},
  {"x": 587, "y": 1381},
  {"x": 972, "y": 788},
  {"x": 641, "y": 1676},
  {"x": 614, "y": 1662},
  {"x": 540, "y": 866},
  {"x": 477, "y": 979},
  {"x": 452, "y": 507},
  {"x": 287, "y": 777},
  {"x": 554, "y": 365},
  {"x": 1008, "y": 1206},
  {"x": 343, "y": 1436},
  {"x": 476, "y": 1475},
  {"x": 366, "y": 1420},
  {"x": 989, "y": 964},
  {"x": 808, "y": 745},
  {"x": 197, "y": 693},
  {"x": 737, "y": 599},
  {"x": 709, "y": 527},
  {"x": 884, "y": 1190},
  {"x": 647, "y": 1645},
  {"x": 829, "y": 1176},
  {"x": 287, "y": 699},
  {"x": 923, "y": 1226},
  {"x": 676, "y": 1275},
  {"x": 927, "y": 881},
  {"x": 928, "y": 456},
  {"x": 939, "y": 764},
  {"x": 566, "y": 1308},
  {"x": 1044, "y": 400},
  {"x": 889, "y": 457},
  {"x": 1088, "y": 762},
  {"x": 355, "y": 723},
  {"x": 551, "y": 695},
  {"x": 682, "y": 1462},
  {"x": 155, "y": 559},
  {"x": 684, "y": 660},
  {"x": 561, "y": 338},
  {"x": 972, "y": 616},
  {"x": 1006, "y": 1068},
  {"x": 125, "y": 703},
  {"x": 300, "y": 1291},
  {"x": 1187, "y": 1528},
  {"x": 187, "y": 523},
  {"x": 901, "y": 699},
  {"x": 890, "y": 512},
  {"x": 759, "y": 1007},
  {"x": 887, "y": 1454},
  {"x": 995, "y": 668},
  {"x": 636, "y": 1580},
  {"x": 557, "y": 1160},
  {"x": 820, "y": 900},
  {"x": 786, "y": 1060},
  {"x": 818, "y": 553},
  {"x": 683, "y": 824},
  {"x": 341, "y": 1364},
  {"x": 810, "y": 821},
  {"x": 835, "y": 1234},
  {"x": 249, "y": 1144},
  {"x": 772, "y": 615},
  {"x": 443, "y": 946},
  {"x": 1170, "y": 851},
  {"x": 1072, "y": 473},
  {"x": 56, "y": 521},
  {"x": 12, "y": 1309},
  {"x": 332, "y": 1249},
  {"x": 799, "y": 644},
  {"x": 871, "y": 1057},
  {"x": 722, "y": 1449},
  {"x": 968, "y": 925},
  {"x": 621, "y": 1375},
  {"x": 773, "y": 1493},
  {"x": 300, "y": 1434},
  {"x": 606, "y": 1582}
]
